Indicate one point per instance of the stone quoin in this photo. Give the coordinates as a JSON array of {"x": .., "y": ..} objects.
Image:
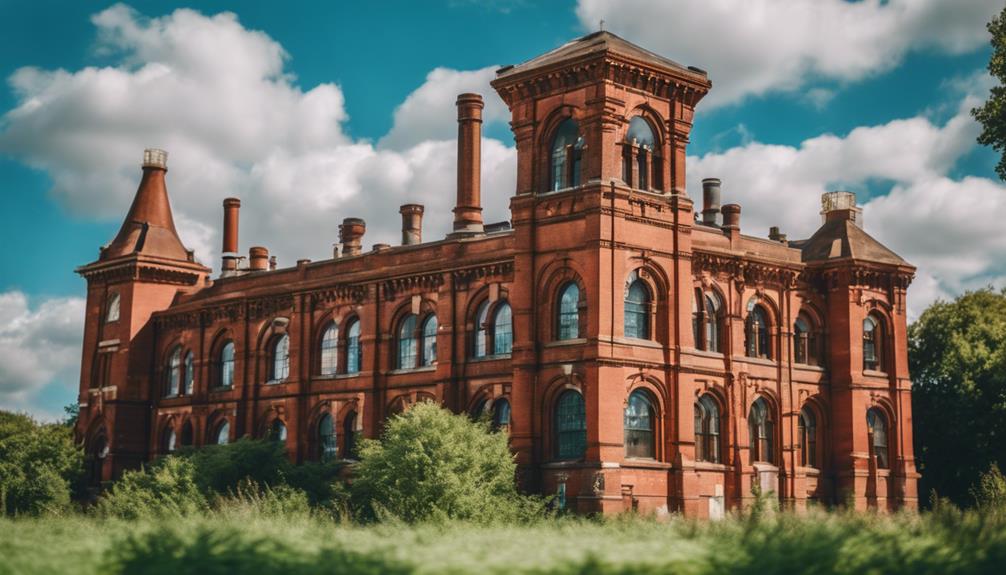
[{"x": 640, "y": 352}]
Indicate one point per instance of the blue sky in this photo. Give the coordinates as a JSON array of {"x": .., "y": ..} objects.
[{"x": 315, "y": 111}]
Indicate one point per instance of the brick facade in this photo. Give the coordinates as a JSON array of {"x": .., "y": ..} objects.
[{"x": 703, "y": 364}]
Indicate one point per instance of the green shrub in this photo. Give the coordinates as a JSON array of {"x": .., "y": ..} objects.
[
  {"x": 432, "y": 464},
  {"x": 167, "y": 488},
  {"x": 40, "y": 466},
  {"x": 990, "y": 491}
]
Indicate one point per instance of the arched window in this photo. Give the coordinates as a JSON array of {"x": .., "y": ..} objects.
[
  {"x": 566, "y": 150},
  {"x": 873, "y": 343},
  {"x": 756, "y": 342},
  {"x": 707, "y": 430},
  {"x": 112, "y": 309},
  {"x": 223, "y": 436},
  {"x": 329, "y": 352},
  {"x": 501, "y": 415},
  {"x": 169, "y": 443},
  {"x": 876, "y": 421},
  {"x": 804, "y": 341},
  {"x": 354, "y": 351},
  {"x": 569, "y": 311},
  {"x": 761, "y": 427},
  {"x": 430, "y": 340},
  {"x": 706, "y": 320},
  {"x": 807, "y": 425},
  {"x": 187, "y": 434},
  {"x": 280, "y": 356},
  {"x": 479, "y": 410},
  {"x": 481, "y": 329},
  {"x": 503, "y": 329},
  {"x": 349, "y": 435},
  {"x": 408, "y": 347},
  {"x": 190, "y": 374},
  {"x": 637, "y": 308},
  {"x": 277, "y": 431},
  {"x": 643, "y": 153},
  {"x": 638, "y": 425},
  {"x": 227, "y": 365},
  {"x": 570, "y": 426},
  {"x": 327, "y": 446},
  {"x": 173, "y": 372}
]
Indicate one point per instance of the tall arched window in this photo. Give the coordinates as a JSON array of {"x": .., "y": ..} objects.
[
  {"x": 804, "y": 341},
  {"x": 327, "y": 445},
  {"x": 569, "y": 311},
  {"x": 329, "y": 352},
  {"x": 637, "y": 308},
  {"x": 566, "y": 150},
  {"x": 223, "y": 436},
  {"x": 873, "y": 343},
  {"x": 643, "y": 153},
  {"x": 354, "y": 351},
  {"x": 169, "y": 443},
  {"x": 756, "y": 342},
  {"x": 280, "y": 357},
  {"x": 349, "y": 435},
  {"x": 706, "y": 320},
  {"x": 638, "y": 425},
  {"x": 187, "y": 434},
  {"x": 430, "y": 340},
  {"x": 876, "y": 421},
  {"x": 570, "y": 426},
  {"x": 408, "y": 347},
  {"x": 481, "y": 329},
  {"x": 707, "y": 430},
  {"x": 807, "y": 425},
  {"x": 112, "y": 311},
  {"x": 761, "y": 427},
  {"x": 173, "y": 372},
  {"x": 277, "y": 431},
  {"x": 501, "y": 415},
  {"x": 227, "y": 365},
  {"x": 190, "y": 374},
  {"x": 503, "y": 329}
]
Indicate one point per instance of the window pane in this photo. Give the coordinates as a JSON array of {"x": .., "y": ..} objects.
[
  {"x": 638, "y": 425},
  {"x": 189, "y": 374},
  {"x": 571, "y": 426},
  {"x": 227, "y": 365},
  {"x": 330, "y": 350},
  {"x": 174, "y": 371},
  {"x": 224, "y": 433},
  {"x": 113, "y": 308},
  {"x": 277, "y": 432},
  {"x": 566, "y": 146},
  {"x": 407, "y": 345},
  {"x": 637, "y": 311},
  {"x": 712, "y": 323},
  {"x": 481, "y": 334},
  {"x": 501, "y": 415},
  {"x": 569, "y": 312},
  {"x": 640, "y": 132},
  {"x": 503, "y": 330},
  {"x": 326, "y": 438},
  {"x": 430, "y": 340},
  {"x": 281, "y": 358},
  {"x": 353, "y": 348}
]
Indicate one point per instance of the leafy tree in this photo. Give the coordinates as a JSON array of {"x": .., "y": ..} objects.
[
  {"x": 40, "y": 466},
  {"x": 957, "y": 356},
  {"x": 432, "y": 464},
  {"x": 992, "y": 115}
]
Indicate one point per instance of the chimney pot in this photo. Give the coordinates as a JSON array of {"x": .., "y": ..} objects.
[
  {"x": 351, "y": 235},
  {"x": 711, "y": 201},
  {"x": 468, "y": 211},
  {"x": 258, "y": 259},
  {"x": 155, "y": 158},
  {"x": 731, "y": 216},
  {"x": 412, "y": 224}
]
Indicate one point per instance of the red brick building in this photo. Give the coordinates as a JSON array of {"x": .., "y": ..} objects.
[{"x": 640, "y": 351}]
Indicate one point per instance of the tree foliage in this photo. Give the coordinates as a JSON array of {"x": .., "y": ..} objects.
[
  {"x": 957, "y": 356},
  {"x": 432, "y": 464},
  {"x": 992, "y": 114},
  {"x": 40, "y": 466}
]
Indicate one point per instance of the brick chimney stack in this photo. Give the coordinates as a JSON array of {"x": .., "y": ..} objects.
[
  {"x": 351, "y": 235},
  {"x": 258, "y": 259},
  {"x": 232, "y": 207},
  {"x": 468, "y": 211},
  {"x": 412, "y": 224}
]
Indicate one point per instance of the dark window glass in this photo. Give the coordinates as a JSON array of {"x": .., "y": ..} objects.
[
  {"x": 643, "y": 144},
  {"x": 349, "y": 435},
  {"x": 501, "y": 415},
  {"x": 565, "y": 156},
  {"x": 190, "y": 374},
  {"x": 408, "y": 347},
  {"x": 569, "y": 312},
  {"x": 329, "y": 362},
  {"x": 761, "y": 428},
  {"x": 756, "y": 336},
  {"x": 801, "y": 335},
  {"x": 430, "y": 340},
  {"x": 808, "y": 438},
  {"x": 707, "y": 430},
  {"x": 227, "y": 365},
  {"x": 113, "y": 308},
  {"x": 638, "y": 423},
  {"x": 712, "y": 322},
  {"x": 187, "y": 434},
  {"x": 697, "y": 319},
  {"x": 173, "y": 372},
  {"x": 280, "y": 358},
  {"x": 503, "y": 330},
  {"x": 170, "y": 441},
  {"x": 481, "y": 330},
  {"x": 354, "y": 351},
  {"x": 873, "y": 339},
  {"x": 877, "y": 424},
  {"x": 637, "y": 310},
  {"x": 327, "y": 446},
  {"x": 571, "y": 426},
  {"x": 277, "y": 431},
  {"x": 223, "y": 433}
]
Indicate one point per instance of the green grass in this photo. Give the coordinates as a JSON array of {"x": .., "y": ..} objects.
[{"x": 244, "y": 540}]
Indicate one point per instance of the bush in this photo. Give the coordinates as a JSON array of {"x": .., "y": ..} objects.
[
  {"x": 40, "y": 466},
  {"x": 167, "y": 488},
  {"x": 432, "y": 464},
  {"x": 990, "y": 491}
]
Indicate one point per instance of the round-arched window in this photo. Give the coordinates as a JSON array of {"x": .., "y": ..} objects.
[
  {"x": 637, "y": 308},
  {"x": 280, "y": 359},
  {"x": 570, "y": 425},
  {"x": 569, "y": 311},
  {"x": 223, "y": 433},
  {"x": 566, "y": 150},
  {"x": 327, "y": 447},
  {"x": 227, "y": 365},
  {"x": 329, "y": 361},
  {"x": 638, "y": 423}
]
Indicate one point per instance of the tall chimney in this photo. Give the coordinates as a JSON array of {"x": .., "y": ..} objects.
[
  {"x": 412, "y": 224},
  {"x": 468, "y": 211},
  {"x": 351, "y": 235},
  {"x": 710, "y": 201},
  {"x": 232, "y": 207},
  {"x": 258, "y": 259}
]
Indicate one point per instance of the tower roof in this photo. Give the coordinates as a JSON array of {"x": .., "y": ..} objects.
[
  {"x": 149, "y": 228},
  {"x": 596, "y": 44},
  {"x": 840, "y": 238}
]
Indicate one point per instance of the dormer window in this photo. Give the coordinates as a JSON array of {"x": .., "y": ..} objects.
[
  {"x": 567, "y": 147},
  {"x": 641, "y": 167}
]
